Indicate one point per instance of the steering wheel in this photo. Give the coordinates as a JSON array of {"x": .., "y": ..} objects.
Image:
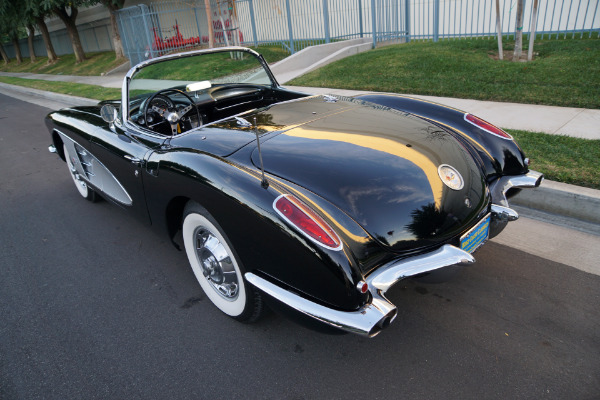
[{"x": 171, "y": 117}]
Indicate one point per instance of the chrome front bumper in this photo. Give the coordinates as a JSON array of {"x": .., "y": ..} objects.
[{"x": 376, "y": 315}]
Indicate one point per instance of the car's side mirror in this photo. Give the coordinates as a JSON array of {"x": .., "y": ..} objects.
[{"x": 108, "y": 113}]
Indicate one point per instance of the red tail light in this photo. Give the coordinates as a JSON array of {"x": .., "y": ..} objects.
[
  {"x": 486, "y": 126},
  {"x": 307, "y": 221}
]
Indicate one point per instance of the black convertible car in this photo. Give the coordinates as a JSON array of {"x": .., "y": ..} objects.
[{"x": 315, "y": 204}]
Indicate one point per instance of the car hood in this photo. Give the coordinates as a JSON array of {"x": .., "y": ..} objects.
[{"x": 379, "y": 166}]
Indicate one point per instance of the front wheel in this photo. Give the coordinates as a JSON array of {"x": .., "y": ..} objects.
[
  {"x": 217, "y": 267},
  {"x": 84, "y": 190}
]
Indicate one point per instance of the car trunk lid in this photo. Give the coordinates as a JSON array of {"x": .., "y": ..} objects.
[{"x": 379, "y": 166}]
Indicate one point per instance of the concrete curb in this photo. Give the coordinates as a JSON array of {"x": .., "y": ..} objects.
[{"x": 562, "y": 199}]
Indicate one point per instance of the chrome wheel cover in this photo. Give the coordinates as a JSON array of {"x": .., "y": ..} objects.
[{"x": 216, "y": 264}]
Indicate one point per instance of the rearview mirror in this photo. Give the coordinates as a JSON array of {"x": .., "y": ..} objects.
[{"x": 108, "y": 113}]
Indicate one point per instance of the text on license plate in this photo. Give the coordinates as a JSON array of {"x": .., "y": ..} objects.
[{"x": 470, "y": 241}]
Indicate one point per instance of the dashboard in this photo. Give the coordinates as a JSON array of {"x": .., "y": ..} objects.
[{"x": 173, "y": 111}]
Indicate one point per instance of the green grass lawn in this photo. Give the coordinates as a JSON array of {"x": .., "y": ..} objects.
[
  {"x": 565, "y": 72},
  {"x": 96, "y": 64},
  {"x": 74, "y": 89}
]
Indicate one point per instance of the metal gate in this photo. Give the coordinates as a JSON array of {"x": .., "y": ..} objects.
[
  {"x": 151, "y": 30},
  {"x": 155, "y": 29}
]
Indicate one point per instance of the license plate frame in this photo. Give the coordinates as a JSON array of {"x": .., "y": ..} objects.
[{"x": 476, "y": 236}]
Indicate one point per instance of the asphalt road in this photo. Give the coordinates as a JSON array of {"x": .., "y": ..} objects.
[{"x": 95, "y": 305}]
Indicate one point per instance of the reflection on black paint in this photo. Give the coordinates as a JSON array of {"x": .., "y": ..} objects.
[{"x": 426, "y": 221}]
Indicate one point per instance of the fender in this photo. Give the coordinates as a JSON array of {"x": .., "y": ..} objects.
[
  {"x": 232, "y": 193},
  {"x": 500, "y": 156}
]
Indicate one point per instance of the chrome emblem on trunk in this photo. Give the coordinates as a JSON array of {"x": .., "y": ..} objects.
[{"x": 451, "y": 177}]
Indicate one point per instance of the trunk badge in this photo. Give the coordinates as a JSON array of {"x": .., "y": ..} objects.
[{"x": 450, "y": 176}]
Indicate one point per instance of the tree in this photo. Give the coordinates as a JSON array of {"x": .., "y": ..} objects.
[
  {"x": 67, "y": 12},
  {"x": 11, "y": 17},
  {"x": 113, "y": 6},
  {"x": 519, "y": 31},
  {"x": 14, "y": 38},
  {"x": 37, "y": 12},
  {"x": 31, "y": 33},
  {"x": 532, "y": 33},
  {"x": 499, "y": 30},
  {"x": 41, "y": 24},
  {"x": 211, "y": 35},
  {"x": 4, "y": 55}
]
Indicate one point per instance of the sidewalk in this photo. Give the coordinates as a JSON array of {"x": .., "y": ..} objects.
[{"x": 575, "y": 122}]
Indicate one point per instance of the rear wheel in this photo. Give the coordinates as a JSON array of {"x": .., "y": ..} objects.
[
  {"x": 217, "y": 267},
  {"x": 84, "y": 190}
]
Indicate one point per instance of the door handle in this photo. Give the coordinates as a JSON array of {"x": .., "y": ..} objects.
[{"x": 134, "y": 160}]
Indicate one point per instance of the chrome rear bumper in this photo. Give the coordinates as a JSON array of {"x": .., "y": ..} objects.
[
  {"x": 532, "y": 179},
  {"x": 376, "y": 315},
  {"x": 502, "y": 214},
  {"x": 379, "y": 312}
]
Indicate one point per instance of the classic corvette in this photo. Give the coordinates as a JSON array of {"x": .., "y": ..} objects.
[{"x": 316, "y": 205}]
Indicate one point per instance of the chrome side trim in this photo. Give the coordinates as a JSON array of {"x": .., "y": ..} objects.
[
  {"x": 91, "y": 170},
  {"x": 532, "y": 179},
  {"x": 377, "y": 314}
]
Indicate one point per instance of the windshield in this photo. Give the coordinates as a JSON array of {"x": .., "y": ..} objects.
[{"x": 198, "y": 72}]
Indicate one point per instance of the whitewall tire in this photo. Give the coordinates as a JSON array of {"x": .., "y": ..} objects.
[{"x": 217, "y": 267}]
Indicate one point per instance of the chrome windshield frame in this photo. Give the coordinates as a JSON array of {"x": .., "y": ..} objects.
[{"x": 127, "y": 80}]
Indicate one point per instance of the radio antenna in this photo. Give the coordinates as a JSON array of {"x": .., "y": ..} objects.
[{"x": 263, "y": 182}]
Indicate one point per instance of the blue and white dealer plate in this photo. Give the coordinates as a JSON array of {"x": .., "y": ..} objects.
[{"x": 477, "y": 236}]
